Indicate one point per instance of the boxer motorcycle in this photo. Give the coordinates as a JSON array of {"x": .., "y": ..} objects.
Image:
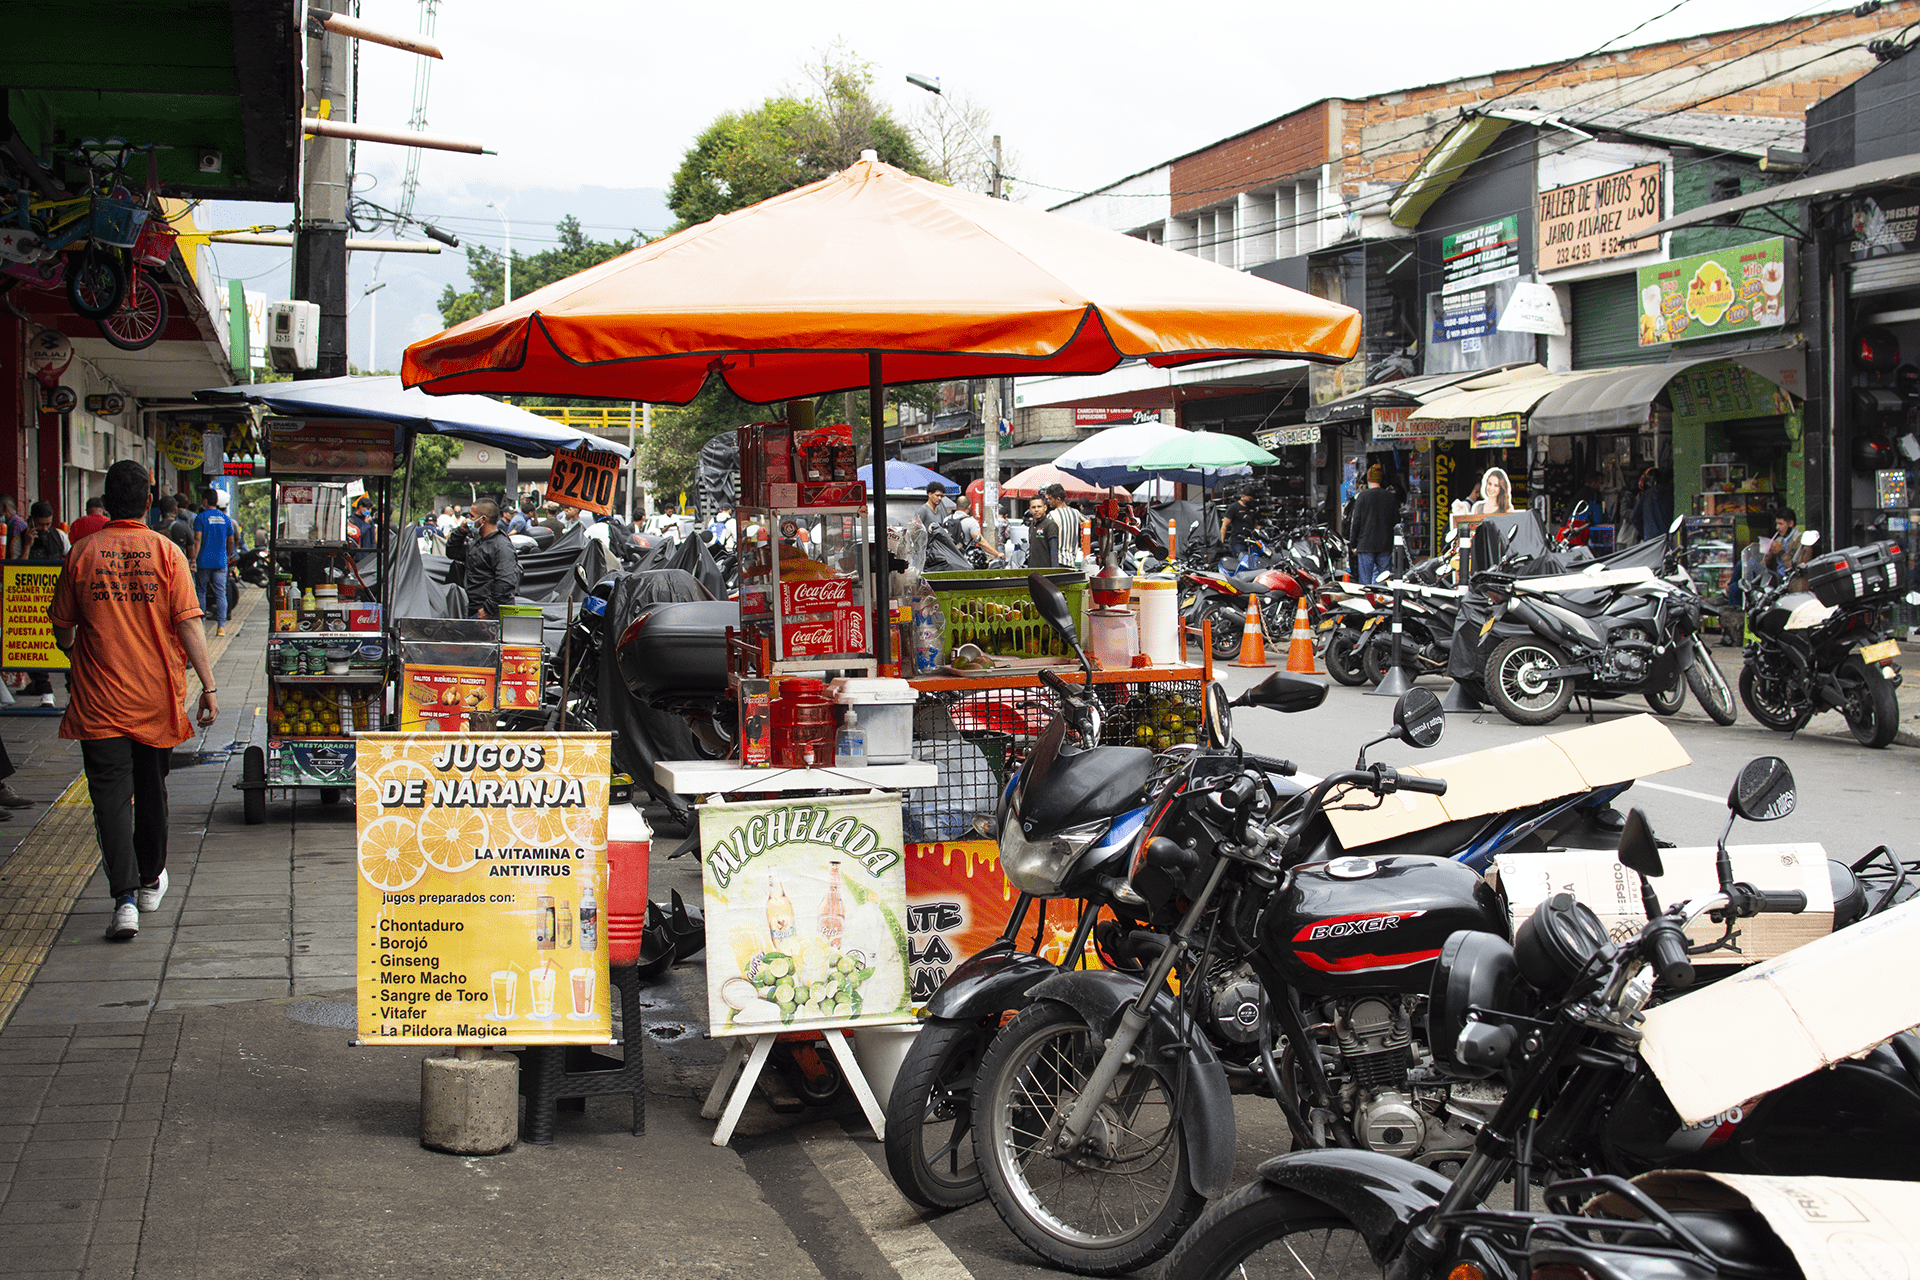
[{"x": 1555, "y": 1014}]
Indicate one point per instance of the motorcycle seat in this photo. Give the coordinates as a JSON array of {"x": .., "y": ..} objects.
[
  {"x": 1248, "y": 581},
  {"x": 1741, "y": 1236},
  {"x": 1442, "y": 841}
]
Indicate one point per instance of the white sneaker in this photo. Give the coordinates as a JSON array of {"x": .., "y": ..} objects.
[
  {"x": 46, "y": 699},
  {"x": 149, "y": 899},
  {"x": 125, "y": 922}
]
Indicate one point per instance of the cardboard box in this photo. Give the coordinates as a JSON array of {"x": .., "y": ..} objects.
[
  {"x": 839, "y": 631},
  {"x": 286, "y": 619},
  {"x": 1836, "y": 1228},
  {"x": 1595, "y": 877},
  {"x": 839, "y": 493},
  {"x": 1756, "y": 1030},
  {"x": 1524, "y": 772}
]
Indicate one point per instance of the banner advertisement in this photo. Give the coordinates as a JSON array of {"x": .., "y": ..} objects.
[
  {"x": 1396, "y": 423},
  {"x": 1711, "y": 295},
  {"x": 957, "y": 904},
  {"x": 1599, "y": 218},
  {"x": 439, "y": 699},
  {"x": 1883, "y": 222},
  {"x": 1463, "y": 316},
  {"x": 584, "y": 478},
  {"x": 300, "y": 446},
  {"x": 180, "y": 445},
  {"x": 26, "y": 636},
  {"x": 1502, "y": 432},
  {"x": 1282, "y": 437},
  {"x": 482, "y": 876},
  {"x": 806, "y": 906},
  {"x": 1480, "y": 255}
]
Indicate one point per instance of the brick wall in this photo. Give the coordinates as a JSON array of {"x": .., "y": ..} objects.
[{"x": 1278, "y": 149}]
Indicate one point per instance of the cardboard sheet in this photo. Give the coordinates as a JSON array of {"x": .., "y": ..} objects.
[
  {"x": 1836, "y": 1228},
  {"x": 1518, "y": 773},
  {"x": 1834, "y": 998},
  {"x": 1595, "y": 877}
]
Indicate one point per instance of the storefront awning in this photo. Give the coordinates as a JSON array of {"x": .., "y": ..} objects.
[
  {"x": 1508, "y": 391},
  {"x": 1399, "y": 392},
  {"x": 1621, "y": 399},
  {"x": 1837, "y": 183}
]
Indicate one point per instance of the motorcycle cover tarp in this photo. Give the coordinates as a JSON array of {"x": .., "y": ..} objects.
[
  {"x": 694, "y": 559},
  {"x": 716, "y": 474},
  {"x": 643, "y": 735},
  {"x": 420, "y": 588}
]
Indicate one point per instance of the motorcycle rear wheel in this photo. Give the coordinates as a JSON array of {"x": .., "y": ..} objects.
[
  {"x": 1710, "y": 686},
  {"x": 1227, "y": 626},
  {"x": 930, "y": 1115},
  {"x": 1519, "y": 694},
  {"x": 1766, "y": 702},
  {"x": 1124, "y": 1202},
  {"x": 1872, "y": 710},
  {"x": 1377, "y": 656},
  {"x": 1266, "y": 1231},
  {"x": 1342, "y": 657}
]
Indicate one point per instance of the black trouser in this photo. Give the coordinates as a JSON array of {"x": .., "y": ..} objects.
[{"x": 128, "y": 781}]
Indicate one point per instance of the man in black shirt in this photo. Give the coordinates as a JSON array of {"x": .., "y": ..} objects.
[
  {"x": 1376, "y": 510},
  {"x": 493, "y": 571}
]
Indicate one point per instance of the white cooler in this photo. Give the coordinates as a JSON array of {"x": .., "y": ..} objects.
[{"x": 885, "y": 709}]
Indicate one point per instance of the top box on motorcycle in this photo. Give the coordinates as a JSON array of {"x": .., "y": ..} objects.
[{"x": 1852, "y": 574}]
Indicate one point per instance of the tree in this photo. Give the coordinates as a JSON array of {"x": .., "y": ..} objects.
[
  {"x": 431, "y": 454},
  {"x": 486, "y": 268},
  {"x": 951, "y": 131},
  {"x": 745, "y": 157}
]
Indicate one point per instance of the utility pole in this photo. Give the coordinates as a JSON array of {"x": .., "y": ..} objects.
[
  {"x": 990, "y": 442},
  {"x": 320, "y": 239}
]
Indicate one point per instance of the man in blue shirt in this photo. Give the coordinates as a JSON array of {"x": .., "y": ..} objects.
[{"x": 214, "y": 538}]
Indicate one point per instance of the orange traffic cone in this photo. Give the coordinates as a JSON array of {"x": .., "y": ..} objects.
[
  {"x": 1253, "y": 645},
  {"x": 1300, "y": 650}
]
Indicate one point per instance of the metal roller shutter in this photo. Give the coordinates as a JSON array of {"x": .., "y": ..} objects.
[{"x": 1606, "y": 324}]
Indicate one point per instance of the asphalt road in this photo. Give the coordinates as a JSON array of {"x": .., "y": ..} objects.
[{"x": 824, "y": 1174}]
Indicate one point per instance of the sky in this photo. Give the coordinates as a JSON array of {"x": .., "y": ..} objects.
[{"x": 591, "y": 104}]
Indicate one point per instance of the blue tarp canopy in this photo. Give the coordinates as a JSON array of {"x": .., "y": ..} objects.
[
  {"x": 467, "y": 417},
  {"x": 908, "y": 475}
]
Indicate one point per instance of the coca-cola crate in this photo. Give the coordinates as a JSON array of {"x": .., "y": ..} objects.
[
  {"x": 1852, "y": 574},
  {"x": 842, "y": 630},
  {"x": 843, "y": 493},
  {"x": 798, "y": 599}
]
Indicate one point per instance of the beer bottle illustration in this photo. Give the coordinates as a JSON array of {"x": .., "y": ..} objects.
[
  {"x": 833, "y": 911},
  {"x": 779, "y": 912}
]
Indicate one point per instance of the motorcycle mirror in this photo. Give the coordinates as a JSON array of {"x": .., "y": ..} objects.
[
  {"x": 1637, "y": 850},
  {"x": 1677, "y": 522},
  {"x": 1284, "y": 691},
  {"x": 1418, "y": 719},
  {"x": 1764, "y": 790},
  {"x": 1219, "y": 717},
  {"x": 1810, "y": 538},
  {"x": 1053, "y": 607}
]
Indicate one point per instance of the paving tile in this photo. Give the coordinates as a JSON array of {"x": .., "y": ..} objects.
[
  {"x": 111, "y": 1257},
  {"x": 237, "y": 916},
  {"x": 57, "y": 1189},
  {"x": 78, "y": 1057},
  {"x": 147, "y": 1089},
  {"x": 43, "y": 1132},
  {"x": 29, "y": 1171},
  {"x": 114, "y": 1233},
  {"x": 269, "y": 966},
  {"x": 75, "y": 966},
  {"x": 203, "y": 989},
  {"x": 321, "y": 986},
  {"x": 14, "y": 1133},
  {"x": 110, "y": 1000},
  {"x": 15, "y": 1076},
  {"x": 76, "y": 1148},
  {"x": 131, "y": 1167},
  {"x": 84, "y": 1113},
  {"x": 228, "y": 949},
  {"x": 234, "y": 931},
  {"x": 32, "y": 1048}
]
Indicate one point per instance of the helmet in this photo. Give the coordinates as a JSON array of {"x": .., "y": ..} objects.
[
  {"x": 1872, "y": 453},
  {"x": 1906, "y": 380},
  {"x": 1876, "y": 350}
]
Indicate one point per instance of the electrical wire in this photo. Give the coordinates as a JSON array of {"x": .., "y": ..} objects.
[{"x": 1598, "y": 49}]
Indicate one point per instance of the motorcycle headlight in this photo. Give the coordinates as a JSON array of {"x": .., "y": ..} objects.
[{"x": 1040, "y": 867}]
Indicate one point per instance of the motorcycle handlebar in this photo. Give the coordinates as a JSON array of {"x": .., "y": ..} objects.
[
  {"x": 1051, "y": 678},
  {"x": 1427, "y": 786},
  {"x": 1267, "y": 764},
  {"x": 1667, "y": 950},
  {"x": 1749, "y": 901}
]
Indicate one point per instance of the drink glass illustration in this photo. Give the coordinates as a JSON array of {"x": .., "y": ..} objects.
[
  {"x": 582, "y": 981},
  {"x": 540, "y": 982},
  {"x": 506, "y": 985}
]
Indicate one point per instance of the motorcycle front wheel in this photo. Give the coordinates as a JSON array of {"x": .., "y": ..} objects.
[
  {"x": 1872, "y": 710},
  {"x": 1122, "y": 1201},
  {"x": 1342, "y": 656},
  {"x": 930, "y": 1115},
  {"x": 1377, "y": 656},
  {"x": 1666, "y": 702},
  {"x": 1517, "y": 689},
  {"x": 1767, "y": 702},
  {"x": 1266, "y": 1231},
  {"x": 1710, "y": 686}
]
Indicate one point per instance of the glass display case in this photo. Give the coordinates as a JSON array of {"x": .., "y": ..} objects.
[
  {"x": 805, "y": 585},
  {"x": 1709, "y": 550}
]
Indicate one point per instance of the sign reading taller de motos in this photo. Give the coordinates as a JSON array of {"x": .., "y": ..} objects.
[
  {"x": 1598, "y": 218},
  {"x": 482, "y": 878}
]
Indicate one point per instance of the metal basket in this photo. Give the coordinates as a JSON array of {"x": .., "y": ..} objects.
[
  {"x": 117, "y": 223},
  {"x": 155, "y": 244}
]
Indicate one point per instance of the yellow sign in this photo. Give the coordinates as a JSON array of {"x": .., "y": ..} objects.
[
  {"x": 182, "y": 446},
  {"x": 1502, "y": 432},
  {"x": 26, "y": 642},
  {"x": 440, "y": 698},
  {"x": 482, "y": 878}
]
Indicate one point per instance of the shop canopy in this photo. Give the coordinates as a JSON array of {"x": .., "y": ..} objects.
[
  {"x": 1398, "y": 393},
  {"x": 467, "y": 417},
  {"x": 1622, "y": 399},
  {"x": 1034, "y": 479},
  {"x": 1508, "y": 391}
]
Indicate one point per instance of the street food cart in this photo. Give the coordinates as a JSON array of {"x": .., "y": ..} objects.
[{"x": 336, "y": 654}]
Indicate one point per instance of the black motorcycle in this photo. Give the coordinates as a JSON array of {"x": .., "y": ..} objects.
[
  {"x": 1828, "y": 648},
  {"x": 1556, "y": 1015},
  {"x": 570, "y": 671}
]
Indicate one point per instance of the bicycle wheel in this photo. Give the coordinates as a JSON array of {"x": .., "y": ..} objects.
[
  {"x": 141, "y": 318},
  {"x": 96, "y": 283}
]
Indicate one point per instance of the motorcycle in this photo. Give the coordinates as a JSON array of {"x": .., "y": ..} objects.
[
  {"x": 1556, "y": 1014},
  {"x": 1640, "y": 635},
  {"x": 1067, "y": 826},
  {"x": 1223, "y": 597},
  {"x": 255, "y": 566},
  {"x": 1828, "y": 649},
  {"x": 571, "y": 676},
  {"x": 1428, "y": 613}
]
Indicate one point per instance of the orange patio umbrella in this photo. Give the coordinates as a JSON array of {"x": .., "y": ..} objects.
[
  {"x": 1034, "y": 479},
  {"x": 868, "y": 277}
]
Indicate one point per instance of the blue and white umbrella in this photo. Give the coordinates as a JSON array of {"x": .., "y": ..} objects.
[{"x": 906, "y": 475}]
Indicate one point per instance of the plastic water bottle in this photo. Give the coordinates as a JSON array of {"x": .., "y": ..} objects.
[{"x": 930, "y": 626}]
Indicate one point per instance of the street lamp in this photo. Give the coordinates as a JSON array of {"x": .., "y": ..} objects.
[
  {"x": 990, "y": 437},
  {"x": 506, "y": 229},
  {"x": 366, "y": 293}
]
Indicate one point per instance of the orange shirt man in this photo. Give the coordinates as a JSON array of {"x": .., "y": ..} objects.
[{"x": 124, "y": 611}]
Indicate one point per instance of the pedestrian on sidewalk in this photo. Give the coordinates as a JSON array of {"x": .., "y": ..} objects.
[
  {"x": 9, "y": 798},
  {"x": 493, "y": 570},
  {"x": 92, "y": 522},
  {"x": 123, "y": 611},
  {"x": 1376, "y": 510},
  {"x": 214, "y": 537}
]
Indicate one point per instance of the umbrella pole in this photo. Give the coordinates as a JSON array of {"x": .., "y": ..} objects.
[{"x": 877, "y": 449}]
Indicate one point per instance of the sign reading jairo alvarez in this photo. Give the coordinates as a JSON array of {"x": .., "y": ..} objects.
[
  {"x": 805, "y": 904},
  {"x": 482, "y": 879}
]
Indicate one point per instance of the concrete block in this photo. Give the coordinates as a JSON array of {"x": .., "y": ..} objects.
[{"x": 470, "y": 1103}]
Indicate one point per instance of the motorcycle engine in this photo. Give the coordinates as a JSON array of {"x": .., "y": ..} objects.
[
  {"x": 1375, "y": 1038},
  {"x": 1627, "y": 654},
  {"x": 1238, "y": 1004}
]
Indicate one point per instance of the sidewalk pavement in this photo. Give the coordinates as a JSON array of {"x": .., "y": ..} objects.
[{"x": 188, "y": 1104}]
